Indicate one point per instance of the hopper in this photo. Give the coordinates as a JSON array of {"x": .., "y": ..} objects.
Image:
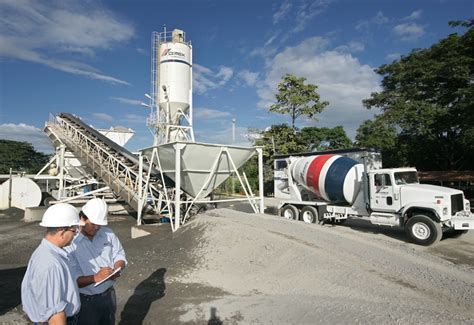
[{"x": 203, "y": 166}]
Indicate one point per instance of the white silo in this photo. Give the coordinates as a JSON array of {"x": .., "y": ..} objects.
[{"x": 172, "y": 86}]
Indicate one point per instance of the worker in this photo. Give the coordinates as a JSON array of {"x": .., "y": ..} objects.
[
  {"x": 97, "y": 253},
  {"x": 49, "y": 292}
]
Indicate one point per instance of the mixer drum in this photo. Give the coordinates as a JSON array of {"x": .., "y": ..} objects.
[{"x": 333, "y": 178}]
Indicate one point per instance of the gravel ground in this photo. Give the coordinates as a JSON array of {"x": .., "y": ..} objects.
[{"x": 230, "y": 267}]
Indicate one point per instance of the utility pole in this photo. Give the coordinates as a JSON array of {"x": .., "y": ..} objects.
[
  {"x": 233, "y": 130},
  {"x": 233, "y": 142}
]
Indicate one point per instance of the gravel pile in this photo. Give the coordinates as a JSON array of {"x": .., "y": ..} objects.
[{"x": 278, "y": 271}]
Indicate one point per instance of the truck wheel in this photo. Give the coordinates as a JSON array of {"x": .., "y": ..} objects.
[
  {"x": 290, "y": 212},
  {"x": 309, "y": 214},
  {"x": 422, "y": 230}
]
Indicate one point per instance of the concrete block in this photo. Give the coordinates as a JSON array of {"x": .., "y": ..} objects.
[
  {"x": 150, "y": 229},
  {"x": 34, "y": 214},
  {"x": 138, "y": 232}
]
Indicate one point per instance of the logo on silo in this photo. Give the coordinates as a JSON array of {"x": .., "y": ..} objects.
[{"x": 172, "y": 53}]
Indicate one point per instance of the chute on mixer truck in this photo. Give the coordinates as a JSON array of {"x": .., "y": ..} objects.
[{"x": 332, "y": 186}]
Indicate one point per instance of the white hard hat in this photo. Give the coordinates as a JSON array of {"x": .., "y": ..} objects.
[
  {"x": 61, "y": 215},
  {"x": 96, "y": 211}
]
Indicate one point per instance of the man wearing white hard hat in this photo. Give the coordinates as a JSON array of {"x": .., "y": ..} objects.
[
  {"x": 49, "y": 292},
  {"x": 97, "y": 253}
]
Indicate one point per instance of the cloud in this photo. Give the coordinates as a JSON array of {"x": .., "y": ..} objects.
[
  {"x": 102, "y": 117},
  {"x": 281, "y": 12},
  {"x": 409, "y": 31},
  {"x": 297, "y": 14},
  {"x": 378, "y": 19},
  {"x": 223, "y": 135},
  {"x": 250, "y": 78},
  {"x": 143, "y": 51},
  {"x": 307, "y": 11},
  {"x": 342, "y": 80},
  {"x": 205, "y": 79},
  {"x": 134, "y": 119},
  {"x": 26, "y": 133},
  {"x": 225, "y": 73},
  {"x": 392, "y": 56},
  {"x": 209, "y": 113},
  {"x": 414, "y": 15},
  {"x": 127, "y": 101},
  {"x": 49, "y": 32},
  {"x": 351, "y": 47}
]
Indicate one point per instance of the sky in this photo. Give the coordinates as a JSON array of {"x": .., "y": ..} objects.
[{"x": 92, "y": 59}]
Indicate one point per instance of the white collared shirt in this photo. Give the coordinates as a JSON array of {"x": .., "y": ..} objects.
[
  {"x": 89, "y": 256},
  {"x": 48, "y": 286}
]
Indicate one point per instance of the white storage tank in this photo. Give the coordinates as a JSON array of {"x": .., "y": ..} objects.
[{"x": 175, "y": 75}]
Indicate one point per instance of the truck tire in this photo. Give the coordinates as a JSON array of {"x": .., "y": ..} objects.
[
  {"x": 309, "y": 214},
  {"x": 290, "y": 212},
  {"x": 423, "y": 230}
]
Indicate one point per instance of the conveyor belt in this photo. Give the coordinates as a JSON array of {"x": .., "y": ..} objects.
[{"x": 118, "y": 167}]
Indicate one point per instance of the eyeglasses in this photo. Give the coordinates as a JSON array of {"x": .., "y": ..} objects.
[{"x": 73, "y": 229}]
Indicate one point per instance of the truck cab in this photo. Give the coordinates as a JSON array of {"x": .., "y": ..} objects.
[
  {"x": 397, "y": 198},
  {"x": 385, "y": 187}
]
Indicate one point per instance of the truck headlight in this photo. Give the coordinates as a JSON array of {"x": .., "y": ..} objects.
[{"x": 445, "y": 211}]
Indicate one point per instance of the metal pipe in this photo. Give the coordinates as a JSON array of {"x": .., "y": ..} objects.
[
  {"x": 260, "y": 177},
  {"x": 10, "y": 190}
]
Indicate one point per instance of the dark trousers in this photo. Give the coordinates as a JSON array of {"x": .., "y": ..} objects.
[{"x": 98, "y": 309}]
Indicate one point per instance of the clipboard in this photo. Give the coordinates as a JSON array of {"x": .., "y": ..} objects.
[{"x": 107, "y": 278}]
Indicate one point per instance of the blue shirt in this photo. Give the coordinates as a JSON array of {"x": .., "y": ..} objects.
[
  {"x": 89, "y": 256},
  {"x": 48, "y": 286}
]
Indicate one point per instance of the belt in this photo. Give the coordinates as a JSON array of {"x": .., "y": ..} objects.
[{"x": 102, "y": 294}]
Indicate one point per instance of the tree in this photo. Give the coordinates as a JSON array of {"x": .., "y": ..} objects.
[
  {"x": 277, "y": 139},
  {"x": 318, "y": 139},
  {"x": 20, "y": 156},
  {"x": 377, "y": 134},
  {"x": 297, "y": 99},
  {"x": 428, "y": 96}
]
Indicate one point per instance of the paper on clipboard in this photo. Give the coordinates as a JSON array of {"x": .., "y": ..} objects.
[{"x": 107, "y": 278}]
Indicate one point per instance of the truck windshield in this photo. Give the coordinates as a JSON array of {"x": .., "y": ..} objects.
[{"x": 406, "y": 178}]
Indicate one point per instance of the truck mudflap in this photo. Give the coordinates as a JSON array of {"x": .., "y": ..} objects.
[{"x": 463, "y": 221}]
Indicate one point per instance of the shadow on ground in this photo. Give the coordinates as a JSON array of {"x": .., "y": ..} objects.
[
  {"x": 10, "y": 287},
  {"x": 149, "y": 290}
]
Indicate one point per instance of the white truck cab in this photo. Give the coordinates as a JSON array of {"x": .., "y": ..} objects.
[{"x": 424, "y": 210}]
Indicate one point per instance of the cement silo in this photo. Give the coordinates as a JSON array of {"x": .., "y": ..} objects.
[{"x": 172, "y": 87}]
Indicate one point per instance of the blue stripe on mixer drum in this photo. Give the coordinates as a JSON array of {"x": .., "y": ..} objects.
[
  {"x": 178, "y": 61},
  {"x": 335, "y": 177}
]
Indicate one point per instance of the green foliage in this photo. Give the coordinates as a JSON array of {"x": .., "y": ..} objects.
[
  {"x": 297, "y": 99},
  {"x": 20, "y": 156},
  {"x": 377, "y": 134},
  {"x": 318, "y": 139},
  {"x": 428, "y": 96}
]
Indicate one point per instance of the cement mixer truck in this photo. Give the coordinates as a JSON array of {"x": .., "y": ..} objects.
[{"x": 332, "y": 186}]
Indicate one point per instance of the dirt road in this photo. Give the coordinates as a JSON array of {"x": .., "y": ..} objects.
[{"x": 236, "y": 268}]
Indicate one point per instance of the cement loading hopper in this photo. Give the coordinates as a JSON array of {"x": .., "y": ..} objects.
[{"x": 203, "y": 166}]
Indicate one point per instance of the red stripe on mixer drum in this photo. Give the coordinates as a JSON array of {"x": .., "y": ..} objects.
[{"x": 314, "y": 172}]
